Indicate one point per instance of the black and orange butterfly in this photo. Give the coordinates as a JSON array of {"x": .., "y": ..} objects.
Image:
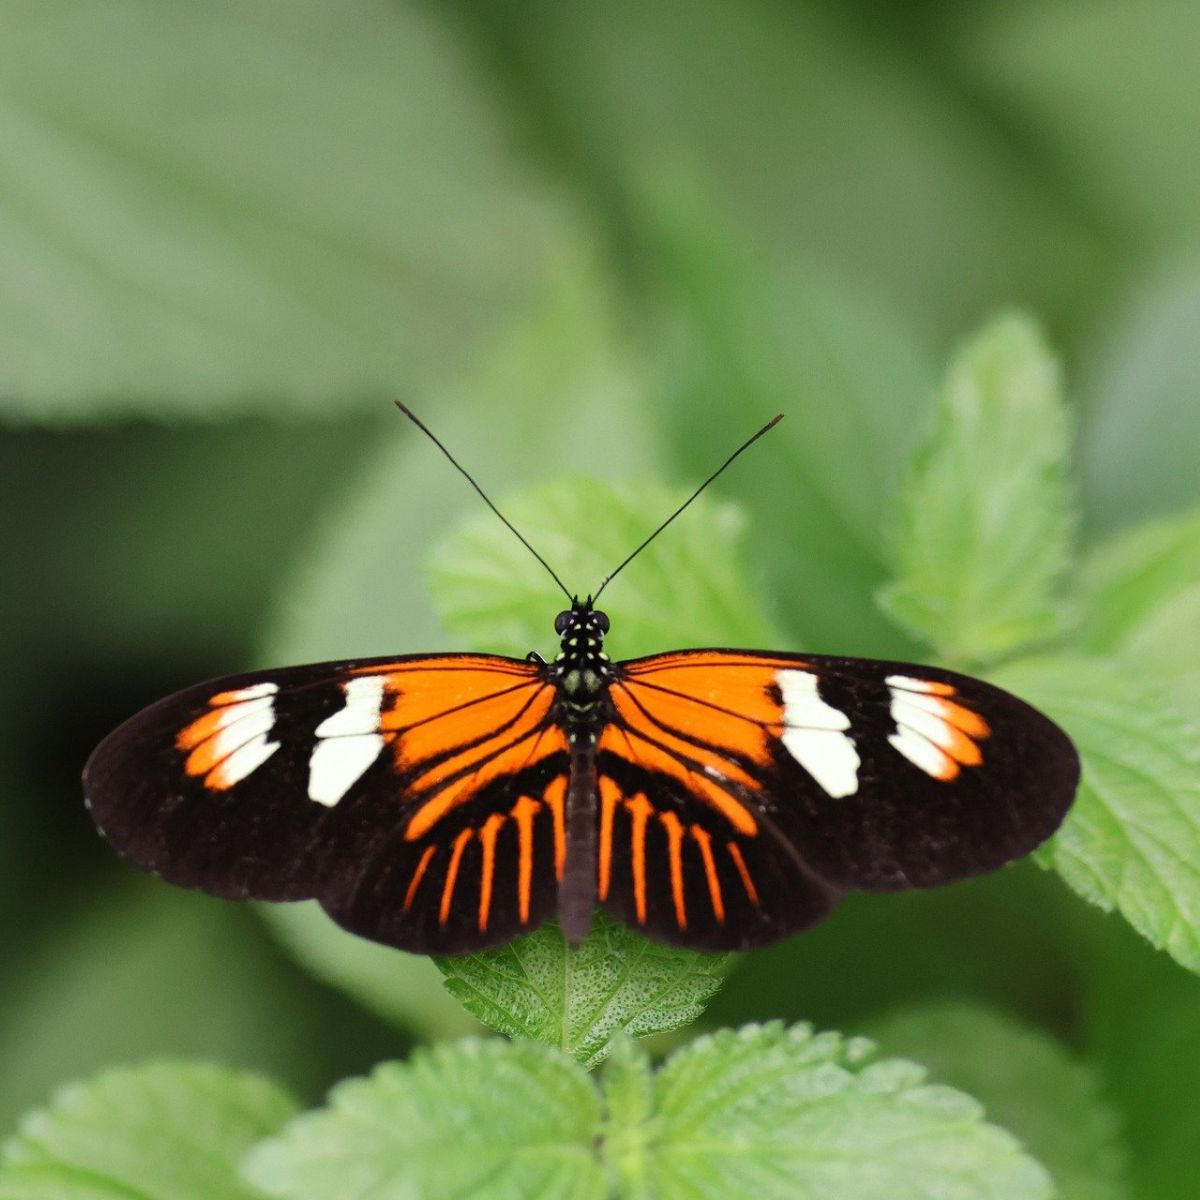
[{"x": 715, "y": 799}]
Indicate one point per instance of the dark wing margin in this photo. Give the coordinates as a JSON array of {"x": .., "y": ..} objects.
[
  {"x": 740, "y": 792},
  {"x": 417, "y": 798}
]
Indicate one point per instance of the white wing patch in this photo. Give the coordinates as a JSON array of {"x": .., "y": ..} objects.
[
  {"x": 246, "y": 759},
  {"x": 230, "y": 741},
  {"x": 348, "y": 742},
  {"x": 815, "y": 736},
  {"x": 933, "y": 732}
]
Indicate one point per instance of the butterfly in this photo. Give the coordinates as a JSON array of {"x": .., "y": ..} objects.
[{"x": 715, "y": 799}]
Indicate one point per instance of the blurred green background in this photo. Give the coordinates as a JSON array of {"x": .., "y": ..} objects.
[{"x": 606, "y": 239}]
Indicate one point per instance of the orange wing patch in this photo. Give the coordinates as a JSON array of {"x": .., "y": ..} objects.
[
  {"x": 458, "y": 724},
  {"x": 702, "y": 780},
  {"x": 709, "y": 739},
  {"x": 722, "y": 697}
]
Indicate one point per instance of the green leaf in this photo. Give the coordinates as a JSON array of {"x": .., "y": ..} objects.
[
  {"x": 615, "y": 982},
  {"x": 1028, "y": 1083},
  {"x": 1132, "y": 840},
  {"x": 165, "y": 1131},
  {"x": 769, "y": 1111},
  {"x": 229, "y": 206},
  {"x": 1165, "y": 648},
  {"x": 986, "y": 519},
  {"x": 764, "y": 1112},
  {"x": 404, "y": 988},
  {"x": 480, "y": 1118},
  {"x": 689, "y": 587},
  {"x": 1141, "y": 600}
]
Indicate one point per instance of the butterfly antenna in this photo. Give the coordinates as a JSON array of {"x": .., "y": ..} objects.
[
  {"x": 744, "y": 446},
  {"x": 412, "y": 416}
]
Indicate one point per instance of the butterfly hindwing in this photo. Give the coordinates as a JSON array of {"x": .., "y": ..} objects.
[
  {"x": 769, "y": 782},
  {"x": 678, "y": 869},
  {"x": 414, "y": 797}
]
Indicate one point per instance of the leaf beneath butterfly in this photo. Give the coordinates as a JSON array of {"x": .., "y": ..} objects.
[
  {"x": 773, "y": 1113},
  {"x": 762, "y": 1113},
  {"x": 479, "y": 1118},
  {"x": 615, "y": 982}
]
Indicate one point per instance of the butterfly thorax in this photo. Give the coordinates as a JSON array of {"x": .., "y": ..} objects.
[{"x": 581, "y": 670}]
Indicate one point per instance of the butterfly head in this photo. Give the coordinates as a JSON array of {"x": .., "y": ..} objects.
[
  {"x": 581, "y": 666},
  {"x": 581, "y": 628}
]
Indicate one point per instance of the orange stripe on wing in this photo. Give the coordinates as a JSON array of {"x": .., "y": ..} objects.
[
  {"x": 704, "y": 841},
  {"x": 671, "y": 823},
  {"x": 610, "y": 794},
  {"x": 514, "y": 757},
  {"x": 739, "y": 862},
  {"x": 713, "y": 687},
  {"x": 639, "y": 811},
  {"x": 418, "y": 875},
  {"x": 718, "y": 661},
  {"x": 554, "y": 796},
  {"x": 201, "y": 729},
  {"x": 966, "y": 719},
  {"x": 487, "y": 841},
  {"x": 469, "y": 735},
  {"x": 434, "y": 664},
  {"x": 956, "y": 744},
  {"x": 456, "y": 853},
  {"x": 719, "y": 733},
  {"x": 523, "y": 813}
]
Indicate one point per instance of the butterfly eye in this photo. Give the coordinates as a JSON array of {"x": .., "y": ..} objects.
[
  {"x": 563, "y": 621},
  {"x": 601, "y": 620}
]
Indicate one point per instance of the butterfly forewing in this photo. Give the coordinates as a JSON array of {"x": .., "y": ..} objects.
[
  {"x": 955, "y": 777},
  {"x": 419, "y": 799}
]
